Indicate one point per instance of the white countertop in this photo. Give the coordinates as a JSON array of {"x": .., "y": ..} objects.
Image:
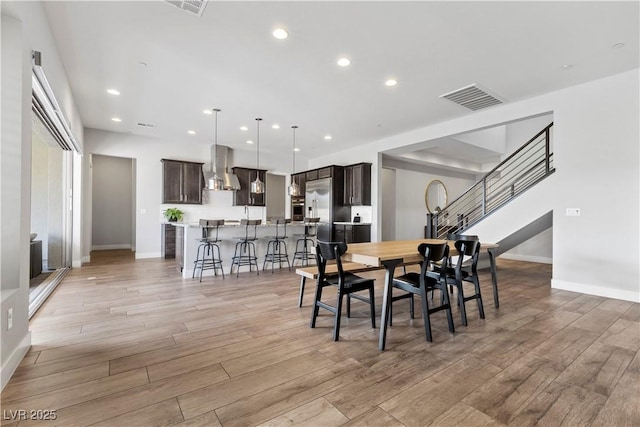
[
  {"x": 233, "y": 223},
  {"x": 351, "y": 223}
]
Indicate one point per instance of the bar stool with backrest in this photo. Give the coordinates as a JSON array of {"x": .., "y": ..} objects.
[
  {"x": 276, "y": 244},
  {"x": 413, "y": 283},
  {"x": 306, "y": 241},
  {"x": 210, "y": 258},
  {"x": 464, "y": 268},
  {"x": 346, "y": 283},
  {"x": 245, "y": 245}
]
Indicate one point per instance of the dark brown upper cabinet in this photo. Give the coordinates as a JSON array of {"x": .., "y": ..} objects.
[
  {"x": 300, "y": 179},
  {"x": 357, "y": 184},
  {"x": 244, "y": 196},
  {"x": 182, "y": 182}
]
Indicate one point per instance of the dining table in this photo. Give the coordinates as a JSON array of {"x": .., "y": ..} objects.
[{"x": 393, "y": 253}]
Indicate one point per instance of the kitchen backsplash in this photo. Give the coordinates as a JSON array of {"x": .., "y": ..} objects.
[
  {"x": 363, "y": 211},
  {"x": 216, "y": 205}
]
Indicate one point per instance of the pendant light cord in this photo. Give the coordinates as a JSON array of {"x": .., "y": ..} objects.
[
  {"x": 215, "y": 141},
  {"x": 293, "y": 170}
]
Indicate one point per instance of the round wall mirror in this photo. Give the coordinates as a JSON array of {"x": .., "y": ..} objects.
[{"x": 435, "y": 196}]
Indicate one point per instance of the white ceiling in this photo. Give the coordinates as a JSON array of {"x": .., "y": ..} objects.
[{"x": 228, "y": 59}]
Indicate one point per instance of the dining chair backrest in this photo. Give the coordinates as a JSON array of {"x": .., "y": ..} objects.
[
  {"x": 433, "y": 252},
  {"x": 456, "y": 237},
  {"x": 469, "y": 248},
  {"x": 326, "y": 251}
]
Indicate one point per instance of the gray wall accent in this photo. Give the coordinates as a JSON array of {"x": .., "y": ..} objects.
[
  {"x": 112, "y": 210},
  {"x": 276, "y": 193},
  {"x": 388, "y": 204}
]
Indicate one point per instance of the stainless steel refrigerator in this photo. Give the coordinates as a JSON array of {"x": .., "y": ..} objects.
[{"x": 319, "y": 204}]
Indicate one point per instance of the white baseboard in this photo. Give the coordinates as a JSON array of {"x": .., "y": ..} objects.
[
  {"x": 86, "y": 259},
  {"x": 601, "y": 291},
  {"x": 76, "y": 263},
  {"x": 14, "y": 360},
  {"x": 144, "y": 255},
  {"x": 527, "y": 258},
  {"x": 110, "y": 247}
]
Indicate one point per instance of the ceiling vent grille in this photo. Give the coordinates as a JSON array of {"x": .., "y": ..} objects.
[
  {"x": 195, "y": 7},
  {"x": 473, "y": 97}
]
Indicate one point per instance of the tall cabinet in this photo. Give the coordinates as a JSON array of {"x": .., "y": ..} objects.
[
  {"x": 244, "y": 196},
  {"x": 357, "y": 184}
]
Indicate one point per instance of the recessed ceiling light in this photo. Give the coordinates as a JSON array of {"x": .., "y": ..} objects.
[
  {"x": 280, "y": 33},
  {"x": 296, "y": 149},
  {"x": 344, "y": 62},
  {"x": 328, "y": 137},
  {"x": 249, "y": 141},
  {"x": 113, "y": 92},
  {"x": 391, "y": 82},
  {"x": 275, "y": 126},
  {"x": 191, "y": 132},
  {"x": 116, "y": 119},
  {"x": 209, "y": 112},
  {"x": 618, "y": 45},
  {"x": 244, "y": 128},
  {"x": 567, "y": 66}
]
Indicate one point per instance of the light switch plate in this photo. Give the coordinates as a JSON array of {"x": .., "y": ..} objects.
[{"x": 573, "y": 211}]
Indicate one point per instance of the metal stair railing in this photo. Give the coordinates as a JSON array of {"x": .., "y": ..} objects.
[{"x": 523, "y": 169}]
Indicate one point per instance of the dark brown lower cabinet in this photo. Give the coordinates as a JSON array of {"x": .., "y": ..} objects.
[
  {"x": 168, "y": 241},
  {"x": 352, "y": 233}
]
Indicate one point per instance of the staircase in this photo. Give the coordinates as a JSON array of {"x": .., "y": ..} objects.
[{"x": 519, "y": 172}]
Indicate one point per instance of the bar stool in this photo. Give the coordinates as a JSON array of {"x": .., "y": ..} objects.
[
  {"x": 245, "y": 245},
  {"x": 306, "y": 240},
  {"x": 275, "y": 244},
  {"x": 211, "y": 258}
]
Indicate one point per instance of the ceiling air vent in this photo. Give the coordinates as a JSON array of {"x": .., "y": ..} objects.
[
  {"x": 147, "y": 125},
  {"x": 473, "y": 97},
  {"x": 195, "y": 7}
]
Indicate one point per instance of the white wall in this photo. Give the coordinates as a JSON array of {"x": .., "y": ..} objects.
[
  {"x": 147, "y": 153},
  {"x": 537, "y": 249},
  {"x": 112, "y": 210},
  {"x": 596, "y": 152},
  {"x": 410, "y": 189},
  {"x": 24, "y": 28},
  {"x": 40, "y": 192}
]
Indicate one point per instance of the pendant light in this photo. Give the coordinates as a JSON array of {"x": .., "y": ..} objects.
[
  {"x": 215, "y": 182},
  {"x": 257, "y": 186},
  {"x": 294, "y": 189}
]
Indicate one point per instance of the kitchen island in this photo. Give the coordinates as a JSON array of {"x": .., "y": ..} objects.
[{"x": 188, "y": 237}]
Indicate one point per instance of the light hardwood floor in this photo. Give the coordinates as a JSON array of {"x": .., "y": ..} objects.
[{"x": 124, "y": 342}]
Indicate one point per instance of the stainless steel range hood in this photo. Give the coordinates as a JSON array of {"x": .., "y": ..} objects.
[{"x": 223, "y": 160}]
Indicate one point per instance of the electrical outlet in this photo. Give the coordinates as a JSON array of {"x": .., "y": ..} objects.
[
  {"x": 573, "y": 211},
  {"x": 10, "y": 318}
]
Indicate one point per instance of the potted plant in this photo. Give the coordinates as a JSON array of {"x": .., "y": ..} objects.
[{"x": 173, "y": 214}]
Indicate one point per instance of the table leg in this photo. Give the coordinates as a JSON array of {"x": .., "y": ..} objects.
[
  {"x": 494, "y": 277},
  {"x": 390, "y": 267}
]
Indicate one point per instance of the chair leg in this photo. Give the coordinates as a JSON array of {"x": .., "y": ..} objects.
[
  {"x": 372, "y": 302},
  {"x": 302, "y": 282},
  {"x": 348, "y": 305},
  {"x": 463, "y": 311},
  {"x": 476, "y": 283},
  {"x": 445, "y": 300},
  {"x": 316, "y": 307},
  {"x": 425, "y": 314},
  {"x": 412, "y": 310},
  {"x": 390, "y": 317},
  {"x": 336, "y": 326}
]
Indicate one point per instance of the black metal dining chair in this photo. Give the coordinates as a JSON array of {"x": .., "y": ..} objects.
[
  {"x": 414, "y": 283},
  {"x": 346, "y": 284}
]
